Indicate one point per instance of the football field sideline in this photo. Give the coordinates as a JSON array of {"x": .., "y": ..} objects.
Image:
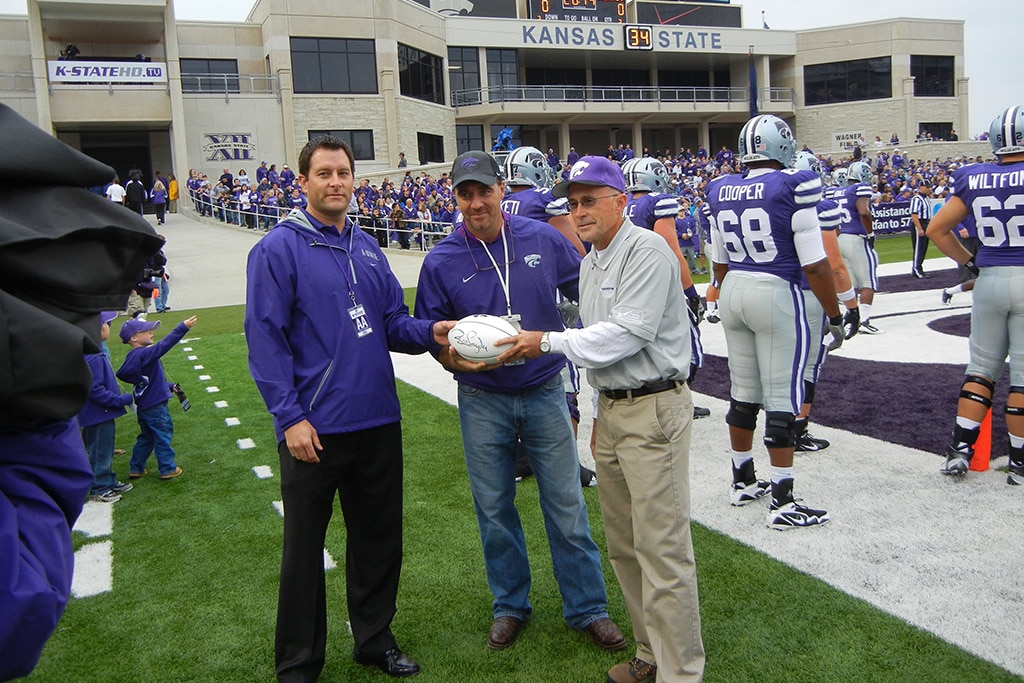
[{"x": 940, "y": 553}]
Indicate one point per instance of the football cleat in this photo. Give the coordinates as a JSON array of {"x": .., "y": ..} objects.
[
  {"x": 700, "y": 411},
  {"x": 957, "y": 463},
  {"x": 742, "y": 494},
  {"x": 746, "y": 487},
  {"x": 947, "y": 298},
  {"x": 806, "y": 443},
  {"x": 867, "y": 328},
  {"x": 793, "y": 515},
  {"x": 1015, "y": 476},
  {"x": 712, "y": 316}
]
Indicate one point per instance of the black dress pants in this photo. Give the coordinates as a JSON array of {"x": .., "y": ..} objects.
[{"x": 364, "y": 469}]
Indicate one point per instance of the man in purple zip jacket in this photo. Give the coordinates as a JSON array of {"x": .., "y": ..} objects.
[{"x": 323, "y": 310}]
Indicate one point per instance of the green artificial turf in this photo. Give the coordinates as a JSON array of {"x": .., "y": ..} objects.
[{"x": 196, "y": 564}]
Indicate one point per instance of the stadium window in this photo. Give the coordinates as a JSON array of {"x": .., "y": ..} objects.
[
  {"x": 334, "y": 65},
  {"x": 464, "y": 74},
  {"x": 361, "y": 141},
  {"x": 209, "y": 75},
  {"x": 430, "y": 147},
  {"x": 468, "y": 138},
  {"x": 502, "y": 68},
  {"x": 933, "y": 75},
  {"x": 420, "y": 74},
  {"x": 858, "y": 79}
]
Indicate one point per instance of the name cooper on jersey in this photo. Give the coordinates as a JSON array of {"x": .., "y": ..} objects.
[{"x": 739, "y": 193}]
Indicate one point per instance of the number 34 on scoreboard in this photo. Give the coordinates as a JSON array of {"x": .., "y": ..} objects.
[{"x": 639, "y": 37}]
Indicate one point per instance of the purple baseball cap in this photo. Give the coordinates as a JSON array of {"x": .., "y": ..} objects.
[
  {"x": 597, "y": 171},
  {"x": 107, "y": 316},
  {"x": 135, "y": 325},
  {"x": 478, "y": 166}
]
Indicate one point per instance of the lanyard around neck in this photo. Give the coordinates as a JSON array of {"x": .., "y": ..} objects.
[{"x": 503, "y": 280}]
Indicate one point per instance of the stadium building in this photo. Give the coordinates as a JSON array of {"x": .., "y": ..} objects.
[{"x": 126, "y": 83}]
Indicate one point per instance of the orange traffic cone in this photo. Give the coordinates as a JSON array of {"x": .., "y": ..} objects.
[{"x": 983, "y": 446}]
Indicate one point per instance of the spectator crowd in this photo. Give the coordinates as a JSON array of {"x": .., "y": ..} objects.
[{"x": 417, "y": 210}]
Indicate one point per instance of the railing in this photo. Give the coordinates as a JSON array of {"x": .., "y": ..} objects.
[
  {"x": 16, "y": 81},
  {"x": 415, "y": 235},
  {"x": 567, "y": 93},
  {"x": 228, "y": 84}
]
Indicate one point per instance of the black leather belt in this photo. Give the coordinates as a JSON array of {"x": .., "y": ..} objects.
[{"x": 645, "y": 390}]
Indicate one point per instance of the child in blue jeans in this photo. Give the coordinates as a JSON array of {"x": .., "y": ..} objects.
[
  {"x": 96, "y": 419},
  {"x": 142, "y": 368}
]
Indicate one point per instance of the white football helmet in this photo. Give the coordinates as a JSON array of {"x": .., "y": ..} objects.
[
  {"x": 1006, "y": 134},
  {"x": 645, "y": 175},
  {"x": 839, "y": 177},
  {"x": 859, "y": 172},
  {"x": 528, "y": 166},
  {"x": 805, "y": 161},
  {"x": 766, "y": 138}
]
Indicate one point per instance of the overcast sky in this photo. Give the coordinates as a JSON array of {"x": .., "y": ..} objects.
[{"x": 993, "y": 49}]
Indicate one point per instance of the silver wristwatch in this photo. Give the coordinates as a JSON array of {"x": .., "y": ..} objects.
[{"x": 545, "y": 343}]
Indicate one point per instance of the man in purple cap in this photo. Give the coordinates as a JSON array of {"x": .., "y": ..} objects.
[
  {"x": 512, "y": 266},
  {"x": 636, "y": 348}
]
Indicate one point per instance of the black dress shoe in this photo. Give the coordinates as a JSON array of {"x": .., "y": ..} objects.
[{"x": 394, "y": 663}]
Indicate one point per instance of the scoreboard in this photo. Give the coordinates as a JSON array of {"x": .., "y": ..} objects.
[{"x": 597, "y": 11}]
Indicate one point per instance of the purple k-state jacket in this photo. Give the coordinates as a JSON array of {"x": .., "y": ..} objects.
[
  {"x": 458, "y": 279},
  {"x": 105, "y": 402},
  {"x": 305, "y": 354}
]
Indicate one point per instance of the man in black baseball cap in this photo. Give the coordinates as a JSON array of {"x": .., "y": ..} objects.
[{"x": 478, "y": 166}]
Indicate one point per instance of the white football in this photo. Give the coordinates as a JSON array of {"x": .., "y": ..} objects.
[{"x": 474, "y": 336}]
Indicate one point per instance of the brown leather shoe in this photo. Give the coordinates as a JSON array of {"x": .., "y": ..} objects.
[
  {"x": 634, "y": 671},
  {"x": 176, "y": 473},
  {"x": 504, "y": 632},
  {"x": 605, "y": 634}
]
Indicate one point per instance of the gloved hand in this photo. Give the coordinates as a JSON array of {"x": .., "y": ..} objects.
[
  {"x": 972, "y": 266},
  {"x": 835, "y": 328},
  {"x": 870, "y": 239},
  {"x": 851, "y": 321},
  {"x": 697, "y": 309}
]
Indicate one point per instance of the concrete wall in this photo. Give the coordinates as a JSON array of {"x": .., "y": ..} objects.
[{"x": 902, "y": 114}]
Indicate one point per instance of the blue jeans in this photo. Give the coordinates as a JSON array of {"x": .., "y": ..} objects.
[
  {"x": 155, "y": 437},
  {"x": 161, "y": 299},
  {"x": 492, "y": 426},
  {"x": 99, "y": 444}
]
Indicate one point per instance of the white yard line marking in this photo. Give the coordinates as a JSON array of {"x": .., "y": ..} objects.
[{"x": 94, "y": 568}]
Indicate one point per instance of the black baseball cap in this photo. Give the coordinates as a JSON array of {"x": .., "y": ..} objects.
[{"x": 478, "y": 166}]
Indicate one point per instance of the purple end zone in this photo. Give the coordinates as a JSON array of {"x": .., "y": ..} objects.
[{"x": 911, "y": 404}]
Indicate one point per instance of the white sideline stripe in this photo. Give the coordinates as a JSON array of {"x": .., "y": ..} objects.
[
  {"x": 198, "y": 367},
  {"x": 187, "y": 348},
  {"x": 97, "y": 519},
  {"x": 189, "y": 340},
  {"x": 94, "y": 564},
  {"x": 279, "y": 506},
  {"x": 232, "y": 421},
  {"x": 246, "y": 443},
  {"x": 262, "y": 472},
  {"x": 193, "y": 357},
  {"x": 203, "y": 378},
  {"x": 220, "y": 404},
  {"x": 212, "y": 390},
  {"x": 903, "y": 538}
]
